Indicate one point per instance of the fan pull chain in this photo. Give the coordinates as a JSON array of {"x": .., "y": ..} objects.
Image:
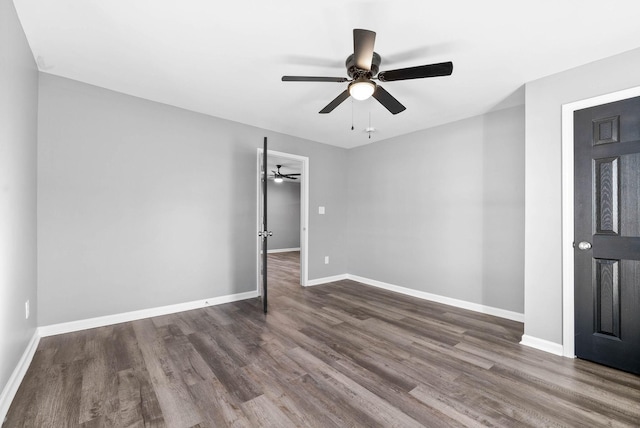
[
  {"x": 369, "y": 129},
  {"x": 352, "y": 128}
]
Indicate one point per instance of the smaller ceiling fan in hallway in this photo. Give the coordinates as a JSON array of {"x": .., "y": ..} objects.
[
  {"x": 362, "y": 68},
  {"x": 278, "y": 176}
]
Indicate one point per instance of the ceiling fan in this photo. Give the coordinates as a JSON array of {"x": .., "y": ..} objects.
[
  {"x": 362, "y": 68},
  {"x": 278, "y": 176}
]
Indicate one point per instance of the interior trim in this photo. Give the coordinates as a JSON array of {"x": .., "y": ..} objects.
[
  {"x": 283, "y": 250},
  {"x": 326, "y": 280},
  {"x": 476, "y": 307},
  {"x": 542, "y": 345},
  {"x": 68, "y": 327},
  {"x": 11, "y": 388}
]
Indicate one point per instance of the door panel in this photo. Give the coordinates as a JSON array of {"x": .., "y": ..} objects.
[
  {"x": 608, "y": 297},
  {"x": 607, "y": 211}
]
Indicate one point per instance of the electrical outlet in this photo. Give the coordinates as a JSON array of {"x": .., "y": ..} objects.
[
  {"x": 26, "y": 309},
  {"x": 326, "y": 260}
]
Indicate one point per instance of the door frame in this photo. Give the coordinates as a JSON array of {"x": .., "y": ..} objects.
[
  {"x": 304, "y": 214},
  {"x": 568, "y": 304}
]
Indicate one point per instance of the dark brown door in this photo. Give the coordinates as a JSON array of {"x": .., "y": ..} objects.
[
  {"x": 607, "y": 234},
  {"x": 264, "y": 232}
]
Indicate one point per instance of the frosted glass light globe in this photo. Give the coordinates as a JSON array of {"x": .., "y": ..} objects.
[{"x": 361, "y": 89}]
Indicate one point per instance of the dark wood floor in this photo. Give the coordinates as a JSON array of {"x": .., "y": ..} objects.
[{"x": 342, "y": 354}]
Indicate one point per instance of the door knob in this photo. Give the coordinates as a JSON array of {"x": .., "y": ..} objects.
[{"x": 584, "y": 245}]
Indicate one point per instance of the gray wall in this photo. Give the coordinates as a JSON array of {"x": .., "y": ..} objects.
[
  {"x": 543, "y": 250},
  {"x": 142, "y": 205},
  {"x": 18, "y": 125},
  {"x": 283, "y": 214},
  {"x": 442, "y": 210}
]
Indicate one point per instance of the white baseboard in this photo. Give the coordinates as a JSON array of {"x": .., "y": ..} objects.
[
  {"x": 326, "y": 280},
  {"x": 283, "y": 250},
  {"x": 10, "y": 389},
  {"x": 542, "y": 345},
  {"x": 476, "y": 307},
  {"x": 69, "y": 327}
]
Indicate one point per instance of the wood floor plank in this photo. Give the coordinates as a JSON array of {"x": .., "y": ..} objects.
[
  {"x": 341, "y": 412},
  {"x": 334, "y": 355},
  {"x": 129, "y": 400},
  {"x": 452, "y": 407},
  {"x": 60, "y": 380},
  {"x": 297, "y": 408},
  {"x": 572, "y": 380},
  {"x": 350, "y": 390},
  {"x": 192, "y": 368},
  {"x": 553, "y": 405},
  {"x": 262, "y": 412},
  {"x": 397, "y": 396},
  {"x": 217, "y": 406},
  {"x": 177, "y": 405},
  {"x": 99, "y": 395},
  {"x": 225, "y": 369}
]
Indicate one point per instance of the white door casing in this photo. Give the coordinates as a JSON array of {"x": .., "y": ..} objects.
[{"x": 304, "y": 213}]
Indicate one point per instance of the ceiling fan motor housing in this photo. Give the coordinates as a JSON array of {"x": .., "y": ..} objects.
[{"x": 354, "y": 72}]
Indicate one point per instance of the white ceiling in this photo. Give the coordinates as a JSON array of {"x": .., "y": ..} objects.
[{"x": 226, "y": 59}]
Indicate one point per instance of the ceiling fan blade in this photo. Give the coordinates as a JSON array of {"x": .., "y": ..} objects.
[
  {"x": 336, "y": 102},
  {"x": 419, "y": 72},
  {"x": 314, "y": 79},
  {"x": 293, "y": 174},
  {"x": 289, "y": 177},
  {"x": 388, "y": 101},
  {"x": 363, "y": 43}
]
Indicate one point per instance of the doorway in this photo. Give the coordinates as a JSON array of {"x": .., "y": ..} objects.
[
  {"x": 568, "y": 212},
  {"x": 280, "y": 218}
]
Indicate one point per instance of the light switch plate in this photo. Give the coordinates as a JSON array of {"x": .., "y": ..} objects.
[{"x": 320, "y": 210}]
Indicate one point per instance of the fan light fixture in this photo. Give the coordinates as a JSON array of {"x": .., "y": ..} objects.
[
  {"x": 278, "y": 180},
  {"x": 363, "y": 65},
  {"x": 361, "y": 88}
]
